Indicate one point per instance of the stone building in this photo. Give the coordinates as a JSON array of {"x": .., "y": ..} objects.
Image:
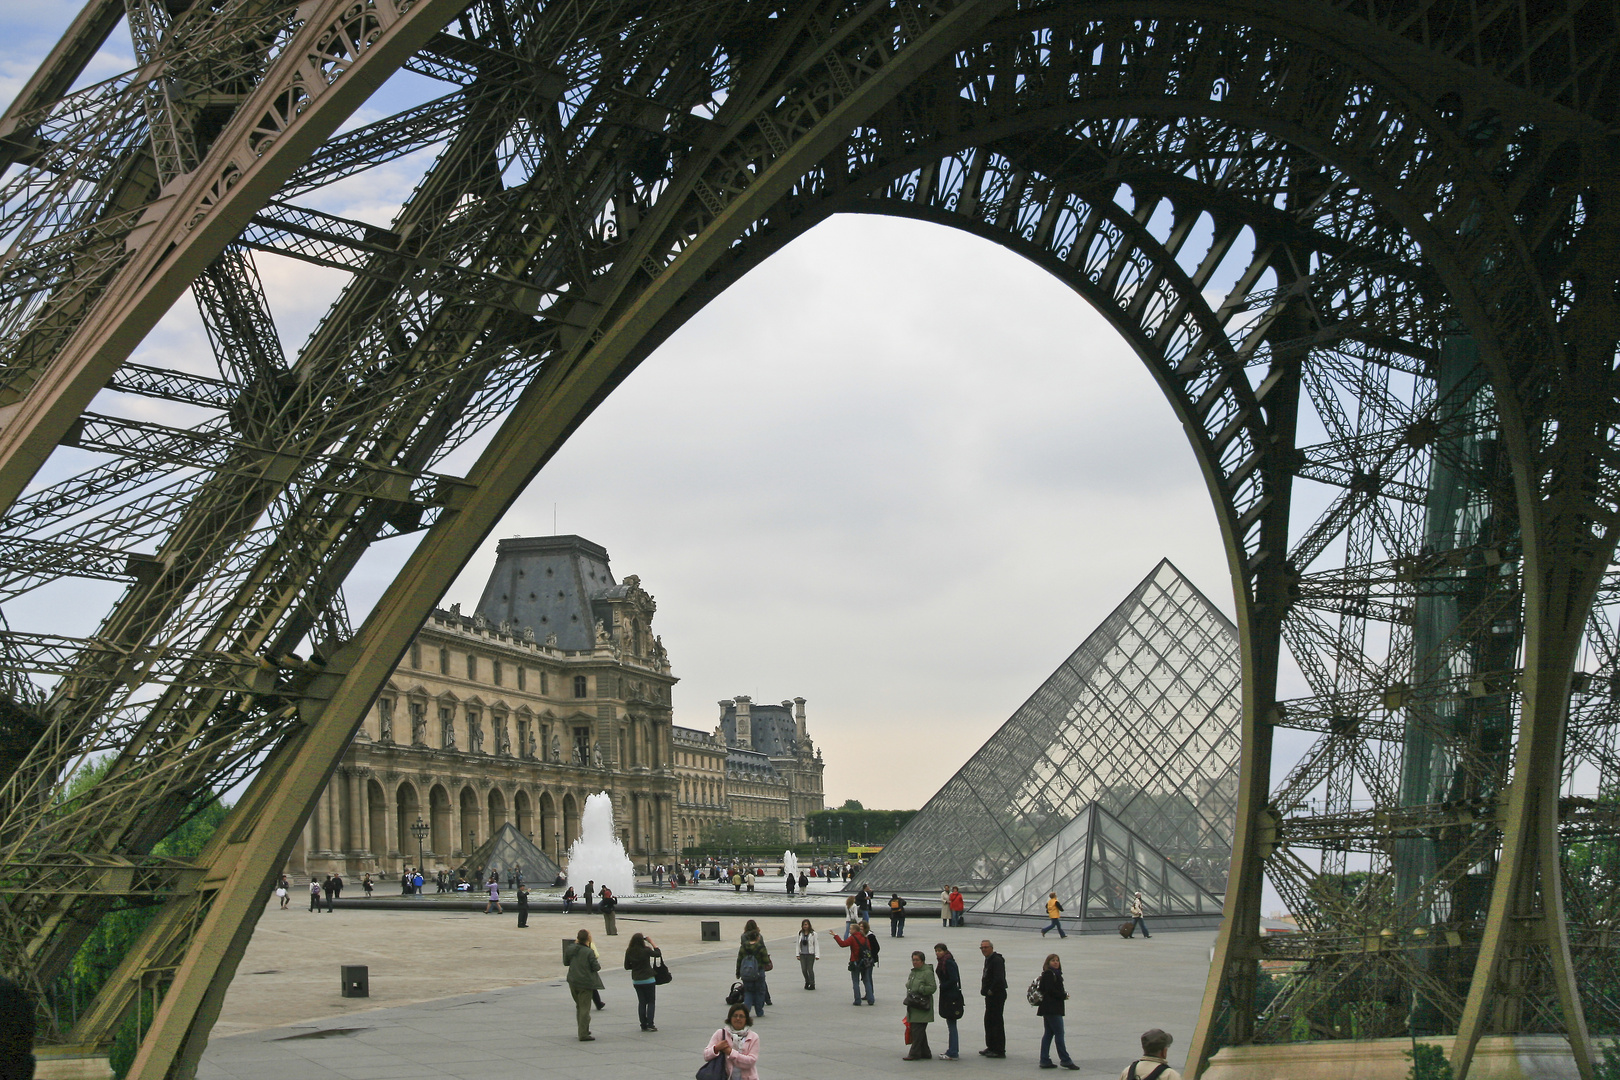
[
  {"x": 554, "y": 689},
  {"x": 771, "y": 769}
]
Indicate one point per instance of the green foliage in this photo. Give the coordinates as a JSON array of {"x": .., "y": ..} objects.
[
  {"x": 1428, "y": 1063},
  {"x": 1608, "y": 1066},
  {"x": 852, "y": 804},
  {"x": 116, "y": 932},
  {"x": 856, "y": 824},
  {"x": 746, "y": 836}
]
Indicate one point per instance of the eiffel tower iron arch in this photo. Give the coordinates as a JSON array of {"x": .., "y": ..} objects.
[{"x": 1403, "y": 180}]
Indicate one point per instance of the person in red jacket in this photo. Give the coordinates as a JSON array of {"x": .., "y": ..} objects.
[
  {"x": 958, "y": 905},
  {"x": 860, "y": 962}
]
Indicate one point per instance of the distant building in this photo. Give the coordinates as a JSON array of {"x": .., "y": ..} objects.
[
  {"x": 772, "y": 770},
  {"x": 556, "y": 688}
]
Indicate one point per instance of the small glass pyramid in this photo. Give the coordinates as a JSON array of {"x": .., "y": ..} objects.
[
  {"x": 1141, "y": 719},
  {"x": 508, "y": 854},
  {"x": 1095, "y": 865}
]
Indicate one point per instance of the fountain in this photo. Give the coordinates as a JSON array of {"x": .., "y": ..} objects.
[
  {"x": 598, "y": 855},
  {"x": 790, "y": 864}
]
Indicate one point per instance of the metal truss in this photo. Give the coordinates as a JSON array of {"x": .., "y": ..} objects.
[{"x": 1364, "y": 248}]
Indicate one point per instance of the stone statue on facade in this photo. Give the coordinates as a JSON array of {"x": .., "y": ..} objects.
[
  {"x": 385, "y": 721},
  {"x": 556, "y": 749},
  {"x": 528, "y": 635},
  {"x": 506, "y": 626},
  {"x": 475, "y": 732},
  {"x": 447, "y": 721},
  {"x": 602, "y": 637},
  {"x": 596, "y": 753},
  {"x": 418, "y": 724},
  {"x": 551, "y": 640},
  {"x": 503, "y": 745}
]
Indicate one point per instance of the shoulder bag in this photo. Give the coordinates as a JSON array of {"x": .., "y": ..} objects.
[
  {"x": 713, "y": 1069},
  {"x": 661, "y": 973}
]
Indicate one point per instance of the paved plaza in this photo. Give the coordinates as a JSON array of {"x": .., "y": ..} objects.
[{"x": 458, "y": 995}]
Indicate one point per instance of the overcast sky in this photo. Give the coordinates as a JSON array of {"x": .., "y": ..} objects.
[{"x": 896, "y": 471}]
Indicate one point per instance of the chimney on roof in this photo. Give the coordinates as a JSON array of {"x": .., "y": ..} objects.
[
  {"x": 798, "y": 721},
  {"x": 745, "y": 723}
]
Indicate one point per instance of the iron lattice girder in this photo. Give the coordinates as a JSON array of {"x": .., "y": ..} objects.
[{"x": 1450, "y": 153}]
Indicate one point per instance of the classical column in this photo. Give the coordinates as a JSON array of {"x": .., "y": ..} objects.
[
  {"x": 357, "y": 811},
  {"x": 329, "y": 815},
  {"x": 391, "y": 848}
]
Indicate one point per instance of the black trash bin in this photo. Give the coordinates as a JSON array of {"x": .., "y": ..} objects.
[
  {"x": 711, "y": 931},
  {"x": 356, "y": 980}
]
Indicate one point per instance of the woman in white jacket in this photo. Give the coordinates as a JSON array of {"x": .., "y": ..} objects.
[{"x": 809, "y": 953}]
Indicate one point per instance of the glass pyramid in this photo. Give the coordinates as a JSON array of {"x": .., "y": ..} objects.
[
  {"x": 1095, "y": 865},
  {"x": 1141, "y": 719},
  {"x": 509, "y": 853}
]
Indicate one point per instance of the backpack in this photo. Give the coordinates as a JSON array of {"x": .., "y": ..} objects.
[
  {"x": 748, "y": 970},
  {"x": 1154, "y": 1075},
  {"x": 868, "y": 952},
  {"x": 1033, "y": 994}
]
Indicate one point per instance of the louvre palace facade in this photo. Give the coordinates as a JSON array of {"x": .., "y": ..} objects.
[{"x": 555, "y": 687}]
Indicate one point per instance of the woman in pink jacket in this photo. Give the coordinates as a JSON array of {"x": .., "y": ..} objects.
[{"x": 737, "y": 1044}]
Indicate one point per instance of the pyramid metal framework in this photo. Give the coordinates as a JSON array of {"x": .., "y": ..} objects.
[
  {"x": 1095, "y": 865},
  {"x": 507, "y": 849},
  {"x": 1142, "y": 719}
]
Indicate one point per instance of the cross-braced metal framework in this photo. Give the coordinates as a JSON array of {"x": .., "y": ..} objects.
[
  {"x": 1141, "y": 719},
  {"x": 1364, "y": 246}
]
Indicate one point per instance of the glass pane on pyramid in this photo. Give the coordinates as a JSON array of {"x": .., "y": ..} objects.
[
  {"x": 1096, "y": 865},
  {"x": 1142, "y": 719}
]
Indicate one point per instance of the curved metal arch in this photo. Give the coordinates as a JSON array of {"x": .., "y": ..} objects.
[{"x": 718, "y": 196}]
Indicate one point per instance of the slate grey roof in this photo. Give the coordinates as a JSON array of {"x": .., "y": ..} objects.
[
  {"x": 773, "y": 732},
  {"x": 549, "y": 583}
]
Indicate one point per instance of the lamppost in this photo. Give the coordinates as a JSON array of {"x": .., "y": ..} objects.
[
  {"x": 420, "y": 831},
  {"x": 556, "y": 845}
]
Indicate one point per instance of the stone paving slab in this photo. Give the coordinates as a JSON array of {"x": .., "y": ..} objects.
[{"x": 1118, "y": 988}]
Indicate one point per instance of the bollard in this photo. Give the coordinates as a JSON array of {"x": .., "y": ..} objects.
[
  {"x": 711, "y": 931},
  {"x": 356, "y": 980}
]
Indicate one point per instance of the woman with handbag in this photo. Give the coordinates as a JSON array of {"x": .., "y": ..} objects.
[
  {"x": 735, "y": 1046},
  {"x": 951, "y": 1002},
  {"x": 920, "y": 989},
  {"x": 642, "y": 958}
]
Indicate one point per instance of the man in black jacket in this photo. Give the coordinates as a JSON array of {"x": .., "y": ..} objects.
[{"x": 993, "y": 988}]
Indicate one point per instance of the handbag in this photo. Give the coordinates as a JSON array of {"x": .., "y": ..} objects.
[
  {"x": 770, "y": 965},
  {"x": 952, "y": 1005},
  {"x": 661, "y": 973},
  {"x": 713, "y": 1069},
  {"x": 736, "y": 995},
  {"x": 906, "y": 1020}
]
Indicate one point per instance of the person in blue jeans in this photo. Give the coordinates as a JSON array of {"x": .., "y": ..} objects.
[
  {"x": 860, "y": 961},
  {"x": 951, "y": 1002},
  {"x": 1050, "y": 1010},
  {"x": 752, "y": 960}
]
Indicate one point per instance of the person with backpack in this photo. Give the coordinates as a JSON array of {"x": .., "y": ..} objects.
[
  {"x": 921, "y": 986},
  {"x": 584, "y": 980},
  {"x": 951, "y": 1002},
  {"x": 860, "y": 961},
  {"x": 897, "y": 915},
  {"x": 1151, "y": 1065},
  {"x": 753, "y": 961},
  {"x": 1048, "y": 996},
  {"x": 1054, "y": 911},
  {"x": 752, "y": 927},
  {"x": 314, "y": 893},
  {"x": 809, "y": 953}
]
